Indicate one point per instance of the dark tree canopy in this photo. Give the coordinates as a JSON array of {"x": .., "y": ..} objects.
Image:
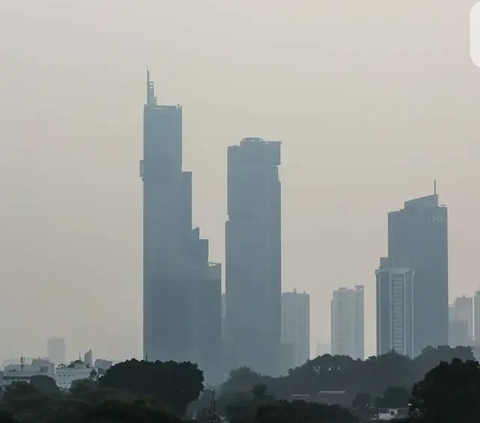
[
  {"x": 393, "y": 397},
  {"x": 45, "y": 384},
  {"x": 177, "y": 384},
  {"x": 341, "y": 373},
  {"x": 448, "y": 393}
]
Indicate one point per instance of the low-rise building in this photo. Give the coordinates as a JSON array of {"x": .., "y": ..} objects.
[
  {"x": 24, "y": 372},
  {"x": 76, "y": 370}
]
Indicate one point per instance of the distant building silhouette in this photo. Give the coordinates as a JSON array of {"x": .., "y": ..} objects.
[
  {"x": 253, "y": 255},
  {"x": 296, "y": 325},
  {"x": 347, "y": 322},
  {"x": 88, "y": 358},
  {"x": 476, "y": 301},
  {"x": 394, "y": 308},
  {"x": 56, "y": 350},
  {"x": 182, "y": 290},
  {"x": 462, "y": 311},
  {"x": 418, "y": 236}
]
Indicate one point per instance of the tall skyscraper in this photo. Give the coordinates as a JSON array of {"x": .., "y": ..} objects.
[
  {"x": 182, "y": 290},
  {"x": 56, "y": 350},
  {"x": 418, "y": 236},
  {"x": 253, "y": 255},
  {"x": 462, "y": 311},
  {"x": 394, "y": 308},
  {"x": 476, "y": 301},
  {"x": 296, "y": 325},
  {"x": 347, "y": 322}
]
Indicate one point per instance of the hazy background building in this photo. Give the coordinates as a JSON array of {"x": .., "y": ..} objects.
[
  {"x": 395, "y": 318},
  {"x": 418, "y": 237},
  {"x": 296, "y": 324},
  {"x": 476, "y": 310},
  {"x": 462, "y": 311},
  {"x": 182, "y": 290},
  {"x": 347, "y": 322},
  {"x": 88, "y": 358},
  {"x": 56, "y": 350},
  {"x": 253, "y": 254}
]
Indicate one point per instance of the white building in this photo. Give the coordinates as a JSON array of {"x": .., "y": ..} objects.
[
  {"x": 24, "y": 372},
  {"x": 56, "y": 350},
  {"x": 76, "y": 370},
  {"x": 296, "y": 325},
  {"x": 347, "y": 322},
  {"x": 395, "y": 324}
]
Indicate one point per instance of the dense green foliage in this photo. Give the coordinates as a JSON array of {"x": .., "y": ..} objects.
[
  {"x": 341, "y": 373},
  {"x": 438, "y": 387},
  {"x": 130, "y": 392}
]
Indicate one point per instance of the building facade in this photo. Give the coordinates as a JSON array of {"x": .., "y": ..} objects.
[
  {"x": 395, "y": 318},
  {"x": 56, "y": 350},
  {"x": 476, "y": 311},
  {"x": 418, "y": 236},
  {"x": 462, "y": 311},
  {"x": 347, "y": 322},
  {"x": 253, "y": 255},
  {"x": 296, "y": 325},
  {"x": 181, "y": 288}
]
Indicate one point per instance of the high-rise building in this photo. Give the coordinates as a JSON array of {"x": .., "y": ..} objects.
[
  {"x": 347, "y": 322},
  {"x": 457, "y": 330},
  {"x": 56, "y": 350},
  {"x": 296, "y": 325},
  {"x": 476, "y": 301},
  {"x": 253, "y": 255},
  {"x": 182, "y": 290},
  {"x": 418, "y": 237},
  {"x": 88, "y": 358},
  {"x": 462, "y": 311},
  {"x": 394, "y": 308}
]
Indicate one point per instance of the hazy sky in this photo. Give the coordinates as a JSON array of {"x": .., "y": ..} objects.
[{"x": 372, "y": 99}]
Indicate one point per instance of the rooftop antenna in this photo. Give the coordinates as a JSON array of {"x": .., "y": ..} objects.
[
  {"x": 151, "y": 99},
  {"x": 435, "y": 187},
  {"x": 22, "y": 362}
]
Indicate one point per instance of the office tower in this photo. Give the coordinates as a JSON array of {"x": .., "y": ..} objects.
[
  {"x": 224, "y": 317},
  {"x": 182, "y": 290},
  {"x": 394, "y": 308},
  {"x": 457, "y": 329},
  {"x": 476, "y": 328},
  {"x": 462, "y": 311},
  {"x": 88, "y": 358},
  {"x": 56, "y": 350},
  {"x": 253, "y": 255},
  {"x": 347, "y": 324},
  {"x": 322, "y": 348},
  {"x": 417, "y": 236},
  {"x": 296, "y": 325}
]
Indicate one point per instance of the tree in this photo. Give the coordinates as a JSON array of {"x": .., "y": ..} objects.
[
  {"x": 448, "y": 393},
  {"x": 362, "y": 400},
  {"x": 126, "y": 412},
  {"x": 19, "y": 389},
  {"x": 82, "y": 386},
  {"x": 393, "y": 397},
  {"x": 301, "y": 411},
  {"x": 176, "y": 384},
  {"x": 6, "y": 417},
  {"x": 45, "y": 384}
]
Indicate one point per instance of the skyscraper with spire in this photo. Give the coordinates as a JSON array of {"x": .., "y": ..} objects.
[
  {"x": 418, "y": 238},
  {"x": 181, "y": 288}
]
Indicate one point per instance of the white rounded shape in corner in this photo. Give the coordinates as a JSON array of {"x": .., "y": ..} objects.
[{"x": 475, "y": 34}]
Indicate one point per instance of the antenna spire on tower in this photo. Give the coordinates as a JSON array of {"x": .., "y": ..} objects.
[
  {"x": 151, "y": 99},
  {"x": 435, "y": 187}
]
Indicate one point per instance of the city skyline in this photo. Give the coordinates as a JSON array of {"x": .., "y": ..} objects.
[{"x": 360, "y": 135}]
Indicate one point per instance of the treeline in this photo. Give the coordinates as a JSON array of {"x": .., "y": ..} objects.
[
  {"x": 169, "y": 392},
  {"x": 341, "y": 373},
  {"x": 132, "y": 391}
]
